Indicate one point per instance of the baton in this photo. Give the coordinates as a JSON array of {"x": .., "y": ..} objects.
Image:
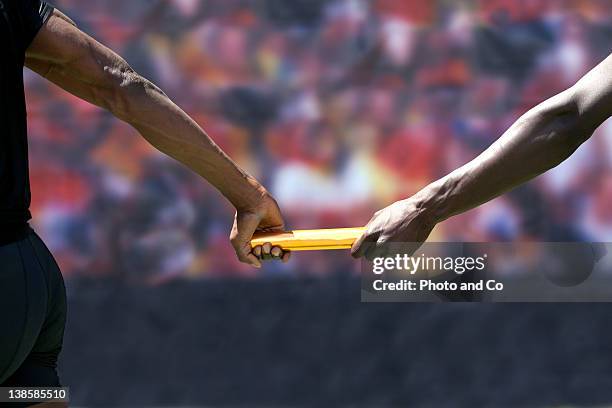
[{"x": 310, "y": 240}]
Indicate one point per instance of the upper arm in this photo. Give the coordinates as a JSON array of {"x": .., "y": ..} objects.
[{"x": 70, "y": 58}]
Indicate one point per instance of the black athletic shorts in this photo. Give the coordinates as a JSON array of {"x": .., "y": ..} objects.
[{"x": 32, "y": 314}]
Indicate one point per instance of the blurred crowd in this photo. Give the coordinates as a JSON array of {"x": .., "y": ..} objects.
[{"x": 340, "y": 107}]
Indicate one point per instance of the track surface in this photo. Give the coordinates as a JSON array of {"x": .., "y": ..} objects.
[{"x": 312, "y": 343}]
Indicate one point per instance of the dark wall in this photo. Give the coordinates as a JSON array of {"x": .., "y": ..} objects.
[{"x": 311, "y": 342}]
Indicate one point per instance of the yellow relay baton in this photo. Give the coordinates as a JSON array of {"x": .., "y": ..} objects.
[{"x": 310, "y": 240}]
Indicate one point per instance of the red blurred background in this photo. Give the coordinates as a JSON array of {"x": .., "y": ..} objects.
[{"x": 340, "y": 107}]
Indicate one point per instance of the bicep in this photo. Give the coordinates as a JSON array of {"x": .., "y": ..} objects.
[{"x": 76, "y": 62}]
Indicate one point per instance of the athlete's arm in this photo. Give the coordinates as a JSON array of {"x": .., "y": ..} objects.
[
  {"x": 541, "y": 139},
  {"x": 82, "y": 66}
]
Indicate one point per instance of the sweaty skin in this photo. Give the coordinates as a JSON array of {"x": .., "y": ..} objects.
[
  {"x": 541, "y": 139},
  {"x": 79, "y": 64}
]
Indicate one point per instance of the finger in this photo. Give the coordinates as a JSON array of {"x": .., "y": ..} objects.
[
  {"x": 286, "y": 256},
  {"x": 380, "y": 250},
  {"x": 249, "y": 258},
  {"x": 373, "y": 251},
  {"x": 358, "y": 248},
  {"x": 244, "y": 227},
  {"x": 266, "y": 249},
  {"x": 257, "y": 251},
  {"x": 276, "y": 252},
  {"x": 253, "y": 260}
]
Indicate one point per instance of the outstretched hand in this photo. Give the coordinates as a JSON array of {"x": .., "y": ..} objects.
[
  {"x": 263, "y": 216},
  {"x": 403, "y": 223}
]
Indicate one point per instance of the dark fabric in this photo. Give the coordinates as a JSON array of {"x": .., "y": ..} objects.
[
  {"x": 32, "y": 314},
  {"x": 20, "y": 21}
]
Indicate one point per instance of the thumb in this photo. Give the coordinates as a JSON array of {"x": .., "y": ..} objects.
[
  {"x": 245, "y": 226},
  {"x": 360, "y": 246}
]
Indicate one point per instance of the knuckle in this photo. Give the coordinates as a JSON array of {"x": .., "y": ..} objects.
[{"x": 370, "y": 237}]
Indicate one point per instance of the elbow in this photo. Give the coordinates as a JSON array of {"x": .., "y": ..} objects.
[
  {"x": 117, "y": 103},
  {"x": 564, "y": 135},
  {"x": 576, "y": 125},
  {"x": 573, "y": 129},
  {"x": 122, "y": 92},
  {"x": 562, "y": 126}
]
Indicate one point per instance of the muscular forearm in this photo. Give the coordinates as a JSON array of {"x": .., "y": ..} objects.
[
  {"x": 540, "y": 140},
  {"x": 172, "y": 131},
  {"x": 537, "y": 142},
  {"x": 87, "y": 69},
  {"x": 82, "y": 66}
]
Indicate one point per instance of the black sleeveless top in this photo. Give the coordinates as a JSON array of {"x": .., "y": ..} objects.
[{"x": 20, "y": 21}]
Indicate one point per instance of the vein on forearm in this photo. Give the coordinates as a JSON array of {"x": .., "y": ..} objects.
[{"x": 167, "y": 127}]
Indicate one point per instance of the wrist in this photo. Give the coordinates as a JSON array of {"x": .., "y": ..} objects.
[
  {"x": 251, "y": 196},
  {"x": 431, "y": 204}
]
